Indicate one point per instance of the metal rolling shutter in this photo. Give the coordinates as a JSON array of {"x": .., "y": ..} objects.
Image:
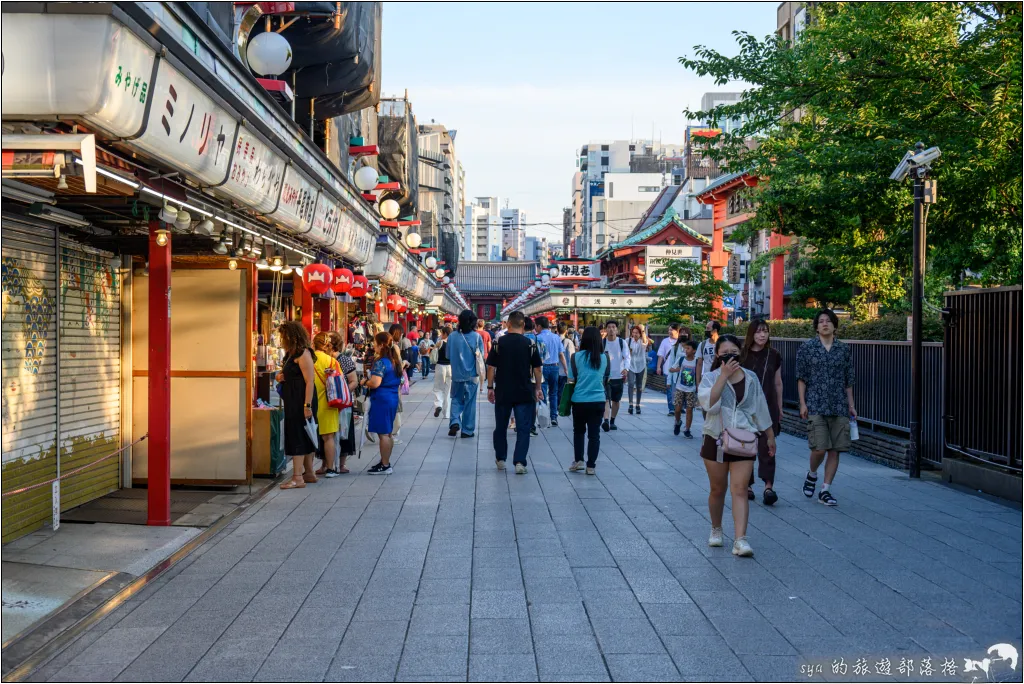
[
  {"x": 90, "y": 372},
  {"x": 28, "y": 270}
]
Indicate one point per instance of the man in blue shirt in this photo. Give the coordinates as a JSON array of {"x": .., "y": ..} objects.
[
  {"x": 463, "y": 347},
  {"x": 552, "y": 353}
]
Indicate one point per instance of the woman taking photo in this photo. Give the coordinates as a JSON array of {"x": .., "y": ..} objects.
[
  {"x": 297, "y": 378},
  {"x": 637, "y": 377},
  {"x": 758, "y": 356},
  {"x": 347, "y": 446},
  {"x": 737, "y": 417},
  {"x": 589, "y": 369},
  {"x": 383, "y": 384}
]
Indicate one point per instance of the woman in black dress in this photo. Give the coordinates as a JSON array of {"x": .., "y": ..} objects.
[{"x": 299, "y": 397}]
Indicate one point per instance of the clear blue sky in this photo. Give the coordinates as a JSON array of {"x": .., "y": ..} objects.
[{"x": 526, "y": 84}]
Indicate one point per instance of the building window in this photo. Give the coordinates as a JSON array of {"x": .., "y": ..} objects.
[
  {"x": 599, "y": 239},
  {"x": 604, "y": 148},
  {"x": 604, "y": 161},
  {"x": 600, "y": 216},
  {"x": 648, "y": 188},
  {"x": 484, "y": 204},
  {"x": 799, "y": 23}
]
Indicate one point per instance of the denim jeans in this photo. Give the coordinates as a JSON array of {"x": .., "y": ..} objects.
[
  {"x": 425, "y": 365},
  {"x": 524, "y": 414},
  {"x": 551, "y": 389},
  {"x": 464, "y": 405},
  {"x": 670, "y": 392}
]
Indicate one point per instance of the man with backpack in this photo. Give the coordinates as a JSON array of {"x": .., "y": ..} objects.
[
  {"x": 618, "y": 356},
  {"x": 426, "y": 345}
]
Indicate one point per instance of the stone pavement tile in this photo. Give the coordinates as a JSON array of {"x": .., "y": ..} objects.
[
  {"x": 767, "y": 668},
  {"x": 612, "y": 604},
  {"x": 93, "y": 672},
  {"x": 502, "y": 668},
  {"x": 158, "y": 611},
  {"x": 647, "y": 667},
  {"x": 363, "y": 666},
  {"x": 559, "y": 618},
  {"x": 536, "y": 567},
  {"x": 658, "y": 590},
  {"x": 497, "y": 579},
  {"x": 307, "y": 665},
  {"x": 499, "y": 604},
  {"x": 705, "y": 658},
  {"x": 381, "y": 606},
  {"x": 444, "y": 567},
  {"x": 233, "y": 669},
  {"x": 592, "y": 677},
  {"x": 500, "y": 636},
  {"x": 627, "y": 635},
  {"x": 321, "y": 620},
  {"x": 434, "y": 655},
  {"x": 440, "y": 619},
  {"x": 752, "y": 636},
  {"x": 119, "y": 646},
  {"x": 443, "y": 591},
  {"x": 540, "y": 546},
  {"x": 679, "y": 619},
  {"x": 600, "y": 579},
  {"x": 557, "y": 659},
  {"x": 167, "y": 660},
  {"x": 499, "y": 557},
  {"x": 552, "y": 590}
]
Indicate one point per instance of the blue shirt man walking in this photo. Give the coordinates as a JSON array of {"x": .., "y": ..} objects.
[
  {"x": 463, "y": 347},
  {"x": 553, "y": 357}
]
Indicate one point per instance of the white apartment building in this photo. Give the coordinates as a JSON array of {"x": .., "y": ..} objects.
[
  {"x": 626, "y": 197},
  {"x": 598, "y": 159},
  {"x": 513, "y": 234},
  {"x": 711, "y": 100},
  {"x": 482, "y": 241}
]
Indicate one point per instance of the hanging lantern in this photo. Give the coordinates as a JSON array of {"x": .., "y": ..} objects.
[
  {"x": 393, "y": 301},
  {"x": 545, "y": 279},
  {"x": 342, "y": 280},
  {"x": 360, "y": 286},
  {"x": 269, "y": 54},
  {"x": 413, "y": 240},
  {"x": 366, "y": 178},
  {"x": 439, "y": 273},
  {"x": 430, "y": 263},
  {"x": 317, "y": 278},
  {"x": 446, "y": 280},
  {"x": 403, "y": 305}
]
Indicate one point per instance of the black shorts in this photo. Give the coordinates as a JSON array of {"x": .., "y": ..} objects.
[
  {"x": 709, "y": 450},
  {"x": 614, "y": 390}
]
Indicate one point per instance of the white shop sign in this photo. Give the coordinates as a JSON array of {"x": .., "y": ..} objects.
[
  {"x": 298, "y": 201},
  {"x": 256, "y": 173},
  {"x": 583, "y": 270},
  {"x": 326, "y": 220},
  {"x": 615, "y": 301},
  {"x": 658, "y": 256}
]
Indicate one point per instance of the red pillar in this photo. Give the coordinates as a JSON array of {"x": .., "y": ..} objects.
[
  {"x": 323, "y": 307},
  {"x": 158, "y": 510},
  {"x": 778, "y": 279},
  {"x": 719, "y": 258},
  {"x": 305, "y": 300}
]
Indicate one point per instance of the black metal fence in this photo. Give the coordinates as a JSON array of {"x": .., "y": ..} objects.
[
  {"x": 881, "y": 387},
  {"x": 983, "y": 371}
]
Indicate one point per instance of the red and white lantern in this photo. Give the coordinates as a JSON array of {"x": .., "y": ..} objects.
[
  {"x": 317, "y": 278},
  {"x": 360, "y": 286},
  {"x": 342, "y": 280}
]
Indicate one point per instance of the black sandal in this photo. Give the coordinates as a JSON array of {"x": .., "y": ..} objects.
[
  {"x": 770, "y": 497},
  {"x": 809, "y": 485}
]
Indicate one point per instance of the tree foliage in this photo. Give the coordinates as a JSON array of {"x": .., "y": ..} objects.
[
  {"x": 835, "y": 112},
  {"x": 816, "y": 279},
  {"x": 690, "y": 289}
]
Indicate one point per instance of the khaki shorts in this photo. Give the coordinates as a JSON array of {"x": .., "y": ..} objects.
[{"x": 828, "y": 433}]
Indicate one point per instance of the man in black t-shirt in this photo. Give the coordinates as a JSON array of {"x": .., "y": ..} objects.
[{"x": 514, "y": 387}]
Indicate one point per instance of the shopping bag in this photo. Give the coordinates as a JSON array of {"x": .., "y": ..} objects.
[
  {"x": 312, "y": 430},
  {"x": 346, "y": 419},
  {"x": 543, "y": 414},
  {"x": 404, "y": 387},
  {"x": 565, "y": 402}
]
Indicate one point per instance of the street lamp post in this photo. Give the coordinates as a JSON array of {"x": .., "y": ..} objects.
[{"x": 918, "y": 163}]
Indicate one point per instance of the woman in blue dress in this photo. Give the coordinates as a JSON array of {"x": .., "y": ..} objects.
[{"x": 383, "y": 384}]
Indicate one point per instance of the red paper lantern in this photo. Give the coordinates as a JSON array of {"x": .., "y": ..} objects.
[
  {"x": 360, "y": 286},
  {"x": 403, "y": 305},
  {"x": 342, "y": 280},
  {"x": 317, "y": 278},
  {"x": 393, "y": 302}
]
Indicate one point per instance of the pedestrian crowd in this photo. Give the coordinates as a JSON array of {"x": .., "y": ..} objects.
[{"x": 534, "y": 374}]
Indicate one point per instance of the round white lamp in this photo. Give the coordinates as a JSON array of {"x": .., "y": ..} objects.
[
  {"x": 446, "y": 280},
  {"x": 439, "y": 273},
  {"x": 269, "y": 54},
  {"x": 366, "y": 178},
  {"x": 413, "y": 240},
  {"x": 389, "y": 209},
  {"x": 431, "y": 263}
]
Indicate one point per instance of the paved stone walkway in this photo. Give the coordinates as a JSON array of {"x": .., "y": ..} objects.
[{"x": 451, "y": 570}]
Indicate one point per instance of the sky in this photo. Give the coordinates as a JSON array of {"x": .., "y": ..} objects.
[{"x": 527, "y": 84}]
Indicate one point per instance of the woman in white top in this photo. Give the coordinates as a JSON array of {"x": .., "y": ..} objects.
[
  {"x": 637, "y": 377},
  {"x": 734, "y": 401}
]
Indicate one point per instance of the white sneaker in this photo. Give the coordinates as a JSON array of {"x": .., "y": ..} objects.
[
  {"x": 520, "y": 469},
  {"x": 716, "y": 537},
  {"x": 501, "y": 465},
  {"x": 741, "y": 547}
]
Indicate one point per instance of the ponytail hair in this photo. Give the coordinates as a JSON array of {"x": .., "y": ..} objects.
[{"x": 386, "y": 342}]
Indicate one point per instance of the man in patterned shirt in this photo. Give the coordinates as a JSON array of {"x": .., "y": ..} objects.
[{"x": 824, "y": 371}]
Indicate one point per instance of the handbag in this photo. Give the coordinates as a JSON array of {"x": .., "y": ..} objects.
[
  {"x": 404, "y": 387},
  {"x": 565, "y": 402},
  {"x": 335, "y": 387},
  {"x": 737, "y": 441}
]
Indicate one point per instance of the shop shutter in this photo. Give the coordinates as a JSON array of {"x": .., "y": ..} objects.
[
  {"x": 28, "y": 270},
  {"x": 90, "y": 372}
]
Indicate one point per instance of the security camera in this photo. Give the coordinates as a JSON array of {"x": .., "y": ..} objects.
[
  {"x": 926, "y": 157},
  {"x": 903, "y": 168}
]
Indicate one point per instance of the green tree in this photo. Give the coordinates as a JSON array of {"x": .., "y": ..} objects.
[
  {"x": 690, "y": 289},
  {"x": 815, "y": 278},
  {"x": 834, "y": 113}
]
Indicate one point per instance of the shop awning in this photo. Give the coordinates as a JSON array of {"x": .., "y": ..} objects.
[
  {"x": 401, "y": 270},
  {"x": 595, "y": 300},
  {"x": 210, "y": 121}
]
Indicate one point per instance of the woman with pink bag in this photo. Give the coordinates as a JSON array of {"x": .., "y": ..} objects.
[{"x": 737, "y": 420}]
